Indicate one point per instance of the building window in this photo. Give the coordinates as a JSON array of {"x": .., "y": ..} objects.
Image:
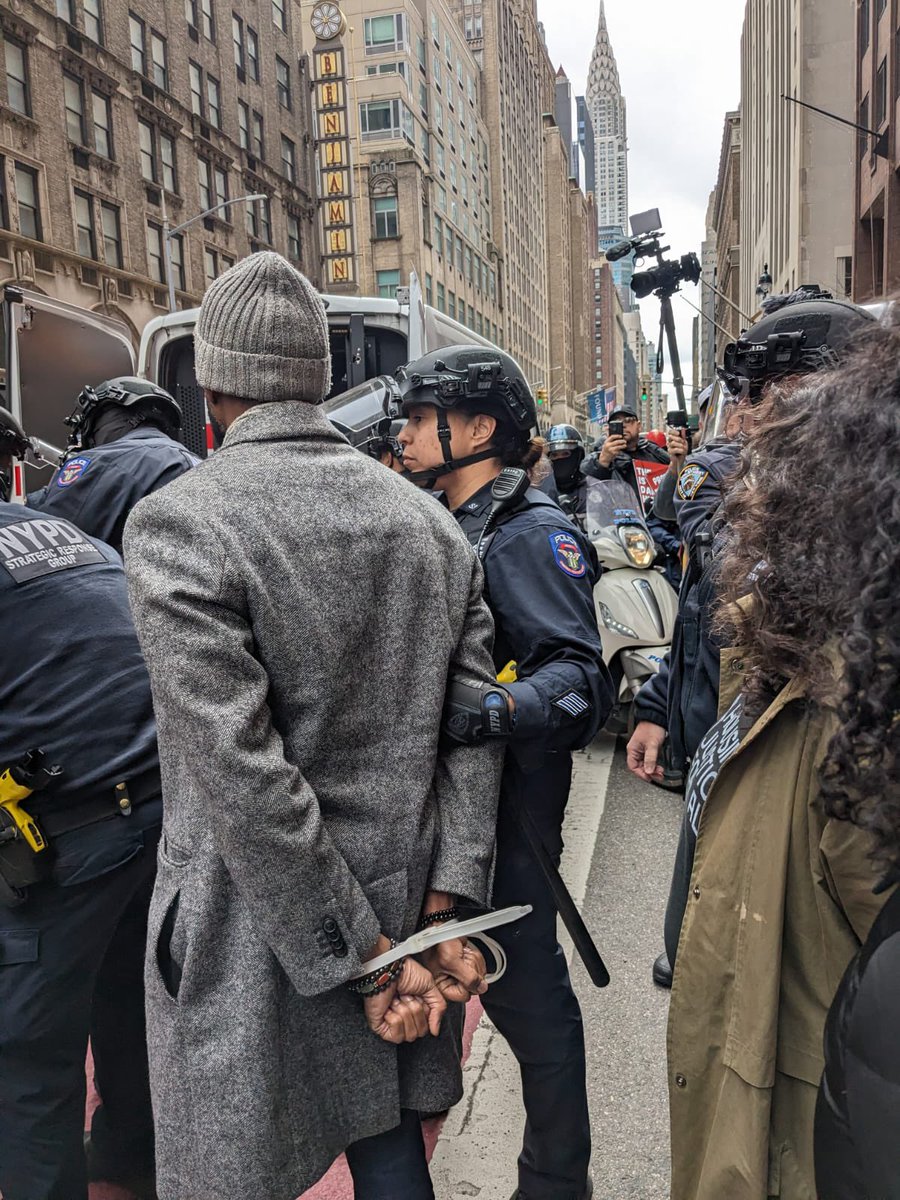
[
  {"x": 451, "y": 305},
  {"x": 93, "y": 21},
  {"x": 102, "y": 118},
  {"x": 17, "y": 96},
  {"x": 204, "y": 176},
  {"x": 147, "y": 148},
  {"x": 259, "y": 220},
  {"x": 379, "y": 119},
  {"x": 385, "y": 34},
  {"x": 864, "y": 122},
  {"x": 244, "y": 124},
  {"x": 213, "y": 101},
  {"x": 844, "y": 275},
  {"x": 295, "y": 241},
  {"x": 155, "y": 263},
  {"x": 85, "y": 238},
  {"x": 283, "y": 82},
  {"x": 112, "y": 234},
  {"x": 881, "y": 6},
  {"x": 138, "y": 48},
  {"x": 429, "y": 291},
  {"x": 421, "y": 53},
  {"x": 253, "y": 54},
  {"x": 167, "y": 158},
  {"x": 73, "y": 98},
  {"x": 257, "y": 141},
  {"x": 190, "y": 13},
  {"x": 279, "y": 15},
  {"x": 385, "y": 217},
  {"x": 386, "y": 284},
  {"x": 176, "y": 260},
  {"x": 158, "y": 54},
  {"x": 288, "y": 159},
  {"x": 196, "y": 77},
  {"x": 237, "y": 36},
  {"x": 438, "y": 235},
  {"x": 28, "y": 202},
  {"x": 881, "y": 94},
  {"x": 65, "y": 10},
  {"x": 215, "y": 263},
  {"x": 864, "y": 23},
  {"x": 441, "y": 300},
  {"x": 207, "y": 20}
]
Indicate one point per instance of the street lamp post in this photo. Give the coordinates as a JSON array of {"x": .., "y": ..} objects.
[{"x": 168, "y": 234}]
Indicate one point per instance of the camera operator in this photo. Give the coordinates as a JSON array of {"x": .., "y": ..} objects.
[
  {"x": 614, "y": 458},
  {"x": 682, "y": 702}
]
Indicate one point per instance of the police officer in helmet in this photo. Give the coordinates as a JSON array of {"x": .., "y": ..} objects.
[
  {"x": 800, "y": 334},
  {"x": 79, "y": 824},
  {"x": 369, "y": 417},
  {"x": 122, "y": 446},
  {"x": 565, "y": 449},
  {"x": 470, "y": 414}
]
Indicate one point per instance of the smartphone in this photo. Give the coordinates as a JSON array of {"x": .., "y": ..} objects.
[{"x": 616, "y": 429}]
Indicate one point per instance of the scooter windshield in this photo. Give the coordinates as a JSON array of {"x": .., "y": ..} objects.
[{"x": 610, "y": 505}]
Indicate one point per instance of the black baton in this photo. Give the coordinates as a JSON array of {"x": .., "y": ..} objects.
[{"x": 562, "y": 898}]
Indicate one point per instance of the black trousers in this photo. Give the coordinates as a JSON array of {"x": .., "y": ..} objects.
[
  {"x": 533, "y": 1005},
  {"x": 72, "y": 967}
]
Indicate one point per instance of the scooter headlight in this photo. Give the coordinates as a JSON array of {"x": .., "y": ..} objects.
[
  {"x": 638, "y": 545},
  {"x": 615, "y": 626}
]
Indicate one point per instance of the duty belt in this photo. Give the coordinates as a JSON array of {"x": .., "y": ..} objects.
[{"x": 90, "y": 805}]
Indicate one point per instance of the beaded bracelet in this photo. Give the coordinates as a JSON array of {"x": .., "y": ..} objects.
[
  {"x": 439, "y": 917},
  {"x": 378, "y": 981}
]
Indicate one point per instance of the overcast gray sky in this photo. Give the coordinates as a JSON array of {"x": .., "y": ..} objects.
[{"x": 679, "y": 66}]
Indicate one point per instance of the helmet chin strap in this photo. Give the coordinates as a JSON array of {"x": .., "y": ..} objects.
[{"x": 430, "y": 475}]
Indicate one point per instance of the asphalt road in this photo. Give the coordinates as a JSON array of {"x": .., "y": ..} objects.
[{"x": 620, "y": 844}]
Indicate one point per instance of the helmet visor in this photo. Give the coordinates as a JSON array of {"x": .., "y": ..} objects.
[{"x": 364, "y": 414}]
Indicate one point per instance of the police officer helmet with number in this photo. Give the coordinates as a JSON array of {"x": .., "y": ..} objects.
[
  {"x": 122, "y": 446},
  {"x": 470, "y": 414}
]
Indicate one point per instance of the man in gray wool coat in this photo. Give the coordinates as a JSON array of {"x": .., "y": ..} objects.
[{"x": 300, "y": 609}]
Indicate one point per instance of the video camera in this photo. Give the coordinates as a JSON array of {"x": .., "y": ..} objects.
[{"x": 665, "y": 277}]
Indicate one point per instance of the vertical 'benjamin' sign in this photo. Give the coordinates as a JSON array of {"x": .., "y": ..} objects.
[{"x": 335, "y": 177}]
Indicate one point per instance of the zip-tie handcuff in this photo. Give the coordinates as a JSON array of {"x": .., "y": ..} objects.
[{"x": 447, "y": 931}]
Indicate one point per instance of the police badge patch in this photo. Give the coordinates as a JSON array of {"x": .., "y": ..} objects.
[
  {"x": 72, "y": 471},
  {"x": 567, "y": 554},
  {"x": 690, "y": 481}
]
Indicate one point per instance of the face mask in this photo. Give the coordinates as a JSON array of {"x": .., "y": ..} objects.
[{"x": 565, "y": 470}]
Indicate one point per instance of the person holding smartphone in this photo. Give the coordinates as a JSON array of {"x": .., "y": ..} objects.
[{"x": 615, "y": 456}]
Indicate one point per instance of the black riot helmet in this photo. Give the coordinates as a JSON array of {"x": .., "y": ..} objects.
[
  {"x": 472, "y": 379},
  {"x": 806, "y": 331},
  {"x": 139, "y": 401},
  {"x": 369, "y": 416},
  {"x": 567, "y": 440},
  {"x": 13, "y": 444}
]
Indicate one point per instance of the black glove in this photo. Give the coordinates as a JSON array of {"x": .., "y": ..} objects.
[{"x": 474, "y": 711}]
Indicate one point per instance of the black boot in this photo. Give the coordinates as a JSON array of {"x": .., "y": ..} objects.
[{"x": 662, "y": 972}]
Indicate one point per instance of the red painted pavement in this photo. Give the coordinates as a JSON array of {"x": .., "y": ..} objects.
[{"x": 336, "y": 1185}]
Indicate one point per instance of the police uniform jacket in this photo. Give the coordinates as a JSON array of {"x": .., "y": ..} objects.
[
  {"x": 299, "y": 629},
  {"x": 539, "y": 579},
  {"x": 684, "y": 696},
  {"x": 72, "y": 680},
  {"x": 96, "y": 489},
  {"x": 780, "y": 899}
]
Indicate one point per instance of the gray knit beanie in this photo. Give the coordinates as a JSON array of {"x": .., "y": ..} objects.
[{"x": 262, "y": 334}]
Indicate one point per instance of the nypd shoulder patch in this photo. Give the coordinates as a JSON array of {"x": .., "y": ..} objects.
[
  {"x": 567, "y": 554},
  {"x": 691, "y": 480},
  {"x": 72, "y": 471}
]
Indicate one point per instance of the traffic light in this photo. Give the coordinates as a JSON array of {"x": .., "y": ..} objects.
[
  {"x": 644, "y": 394},
  {"x": 541, "y": 397}
]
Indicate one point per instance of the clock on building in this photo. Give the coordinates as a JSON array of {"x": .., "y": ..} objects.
[{"x": 327, "y": 21}]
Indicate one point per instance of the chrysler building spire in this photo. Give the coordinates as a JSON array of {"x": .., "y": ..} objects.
[{"x": 606, "y": 105}]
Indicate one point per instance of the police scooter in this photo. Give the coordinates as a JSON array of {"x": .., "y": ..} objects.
[{"x": 635, "y": 603}]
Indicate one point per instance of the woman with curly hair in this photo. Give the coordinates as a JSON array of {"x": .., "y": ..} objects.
[{"x": 794, "y": 792}]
